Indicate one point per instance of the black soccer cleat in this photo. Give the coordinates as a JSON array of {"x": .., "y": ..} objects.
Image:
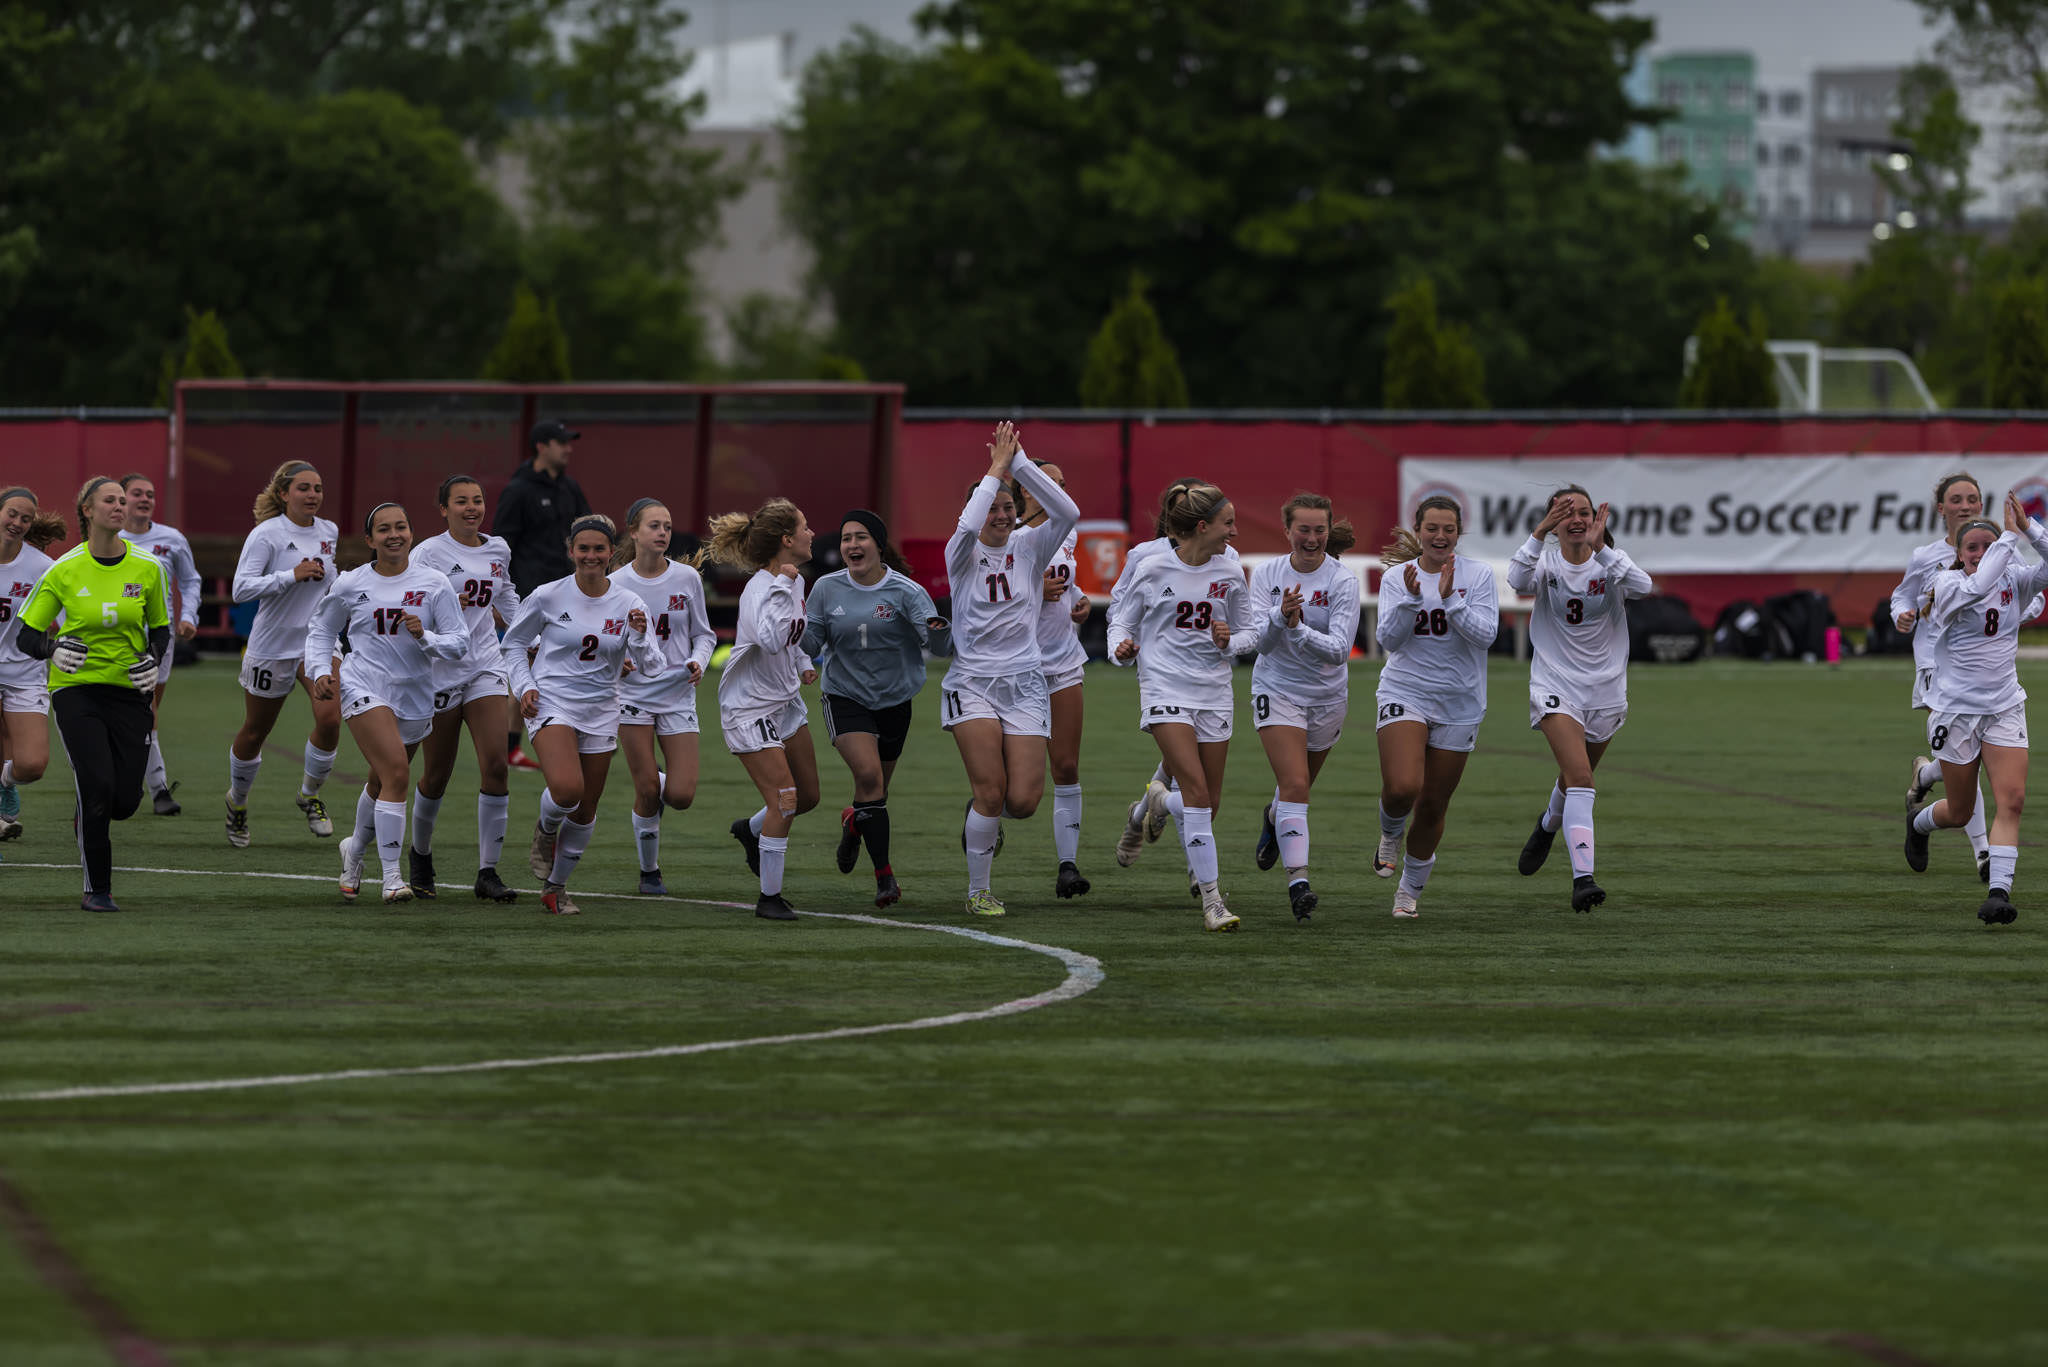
[
  {"x": 1071, "y": 883},
  {"x": 771, "y": 907},
  {"x": 419, "y": 872},
  {"x": 1586, "y": 894},
  {"x": 1302, "y": 900},
  {"x": 651, "y": 884},
  {"x": 751, "y": 843},
  {"x": 849, "y": 840},
  {"x": 887, "y": 893},
  {"x": 163, "y": 804},
  {"x": 1984, "y": 868},
  {"x": 97, "y": 901},
  {"x": 1268, "y": 852},
  {"x": 1916, "y": 846},
  {"x": 491, "y": 888},
  {"x": 1998, "y": 909},
  {"x": 1535, "y": 850}
]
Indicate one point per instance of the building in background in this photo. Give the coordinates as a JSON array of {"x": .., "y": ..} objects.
[
  {"x": 1712, "y": 128},
  {"x": 1784, "y": 163}
]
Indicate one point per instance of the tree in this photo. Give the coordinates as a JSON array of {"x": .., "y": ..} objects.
[
  {"x": 1279, "y": 170},
  {"x": 532, "y": 349},
  {"x": 772, "y": 338},
  {"x": 2016, "y": 356},
  {"x": 1935, "y": 183},
  {"x": 1901, "y": 296},
  {"x": 344, "y": 237},
  {"x": 2000, "y": 44},
  {"x": 626, "y": 198},
  {"x": 1428, "y": 366},
  {"x": 1130, "y": 364},
  {"x": 205, "y": 355},
  {"x": 1731, "y": 367}
]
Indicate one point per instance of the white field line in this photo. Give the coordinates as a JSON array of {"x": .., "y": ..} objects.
[{"x": 1084, "y": 974}]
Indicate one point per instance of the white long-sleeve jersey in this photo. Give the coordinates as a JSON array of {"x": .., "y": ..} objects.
[
  {"x": 1436, "y": 644},
  {"x": 1167, "y": 609},
  {"x": 1138, "y": 555},
  {"x": 18, "y": 580},
  {"x": 681, "y": 627},
  {"x": 1059, "y": 636},
  {"x": 483, "y": 574},
  {"x": 1911, "y": 594},
  {"x": 264, "y": 572},
  {"x": 174, "y": 553},
  {"x": 580, "y": 645},
  {"x": 1311, "y": 662},
  {"x": 1578, "y": 631},
  {"x": 383, "y": 660},
  {"x": 996, "y": 589},
  {"x": 1975, "y": 621},
  {"x": 765, "y": 669}
]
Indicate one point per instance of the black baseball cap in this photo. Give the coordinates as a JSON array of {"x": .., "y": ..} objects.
[{"x": 551, "y": 429}]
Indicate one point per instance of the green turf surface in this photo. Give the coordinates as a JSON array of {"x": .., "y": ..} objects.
[{"x": 1778, "y": 1101}]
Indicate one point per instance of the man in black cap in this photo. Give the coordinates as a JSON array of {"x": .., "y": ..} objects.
[{"x": 535, "y": 512}]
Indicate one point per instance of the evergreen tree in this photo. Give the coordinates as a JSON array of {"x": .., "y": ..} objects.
[
  {"x": 1731, "y": 366},
  {"x": 1429, "y": 366},
  {"x": 2016, "y": 367},
  {"x": 204, "y": 356},
  {"x": 533, "y": 348},
  {"x": 1130, "y": 362}
]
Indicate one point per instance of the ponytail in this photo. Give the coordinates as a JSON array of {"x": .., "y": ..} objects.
[{"x": 270, "y": 503}]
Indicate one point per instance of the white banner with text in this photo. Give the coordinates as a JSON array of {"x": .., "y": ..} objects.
[{"x": 1726, "y": 514}]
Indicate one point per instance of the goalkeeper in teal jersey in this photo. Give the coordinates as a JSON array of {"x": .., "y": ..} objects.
[
  {"x": 105, "y": 659},
  {"x": 873, "y": 624}
]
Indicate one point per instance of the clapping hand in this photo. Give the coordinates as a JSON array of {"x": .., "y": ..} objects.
[
  {"x": 1002, "y": 450},
  {"x": 1290, "y": 606}
]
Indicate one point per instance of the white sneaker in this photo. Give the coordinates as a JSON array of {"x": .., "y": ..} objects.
[
  {"x": 1916, "y": 792},
  {"x": 1132, "y": 842},
  {"x": 1388, "y": 857},
  {"x": 540, "y": 855},
  {"x": 351, "y": 868},
  {"x": 1215, "y": 914},
  {"x": 396, "y": 889},
  {"x": 1404, "y": 905},
  {"x": 1155, "y": 809}
]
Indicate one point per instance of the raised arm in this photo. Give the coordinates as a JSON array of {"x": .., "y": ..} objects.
[
  {"x": 1625, "y": 579},
  {"x": 1061, "y": 513},
  {"x": 1955, "y": 591}
]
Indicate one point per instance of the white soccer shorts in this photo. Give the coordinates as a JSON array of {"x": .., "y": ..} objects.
[
  {"x": 1211, "y": 724},
  {"x": 1323, "y": 722},
  {"x": 1958, "y": 737},
  {"x": 1020, "y": 702},
  {"x": 1599, "y": 723},
  {"x": 767, "y": 729},
  {"x": 1459, "y": 736},
  {"x": 269, "y": 678}
]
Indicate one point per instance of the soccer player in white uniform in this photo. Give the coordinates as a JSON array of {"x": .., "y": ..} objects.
[
  {"x": 582, "y": 629},
  {"x": 287, "y": 564},
  {"x": 1977, "y": 711},
  {"x": 1578, "y": 667},
  {"x": 760, "y": 691},
  {"x": 1062, "y": 609},
  {"x": 174, "y": 553},
  {"x": 468, "y": 692},
  {"x": 1957, "y": 499},
  {"x": 388, "y": 620},
  {"x": 1301, "y": 680},
  {"x": 661, "y": 712},
  {"x": 1439, "y": 611},
  {"x": 1184, "y": 618},
  {"x": 24, "y": 681},
  {"x": 1138, "y": 828},
  {"x": 994, "y": 699}
]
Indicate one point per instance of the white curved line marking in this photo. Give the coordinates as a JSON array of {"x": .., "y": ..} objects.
[{"x": 1084, "y": 974}]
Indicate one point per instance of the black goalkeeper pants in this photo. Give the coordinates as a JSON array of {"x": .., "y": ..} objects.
[{"x": 105, "y": 731}]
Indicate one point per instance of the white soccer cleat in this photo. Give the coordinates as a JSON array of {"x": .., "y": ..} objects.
[
  {"x": 396, "y": 889},
  {"x": 1404, "y": 905},
  {"x": 540, "y": 856},
  {"x": 315, "y": 811},
  {"x": 1916, "y": 791},
  {"x": 351, "y": 868},
  {"x": 1131, "y": 843},
  {"x": 1388, "y": 857},
  {"x": 1216, "y": 915},
  {"x": 1155, "y": 809}
]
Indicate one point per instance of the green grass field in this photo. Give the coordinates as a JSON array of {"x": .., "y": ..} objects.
[{"x": 1779, "y": 1101}]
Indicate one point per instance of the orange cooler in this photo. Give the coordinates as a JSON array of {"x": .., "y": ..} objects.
[{"x": 1099, "y": 555}]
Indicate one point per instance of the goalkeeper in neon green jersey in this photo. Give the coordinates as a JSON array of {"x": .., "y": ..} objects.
[{"x": 104, "y": 657}]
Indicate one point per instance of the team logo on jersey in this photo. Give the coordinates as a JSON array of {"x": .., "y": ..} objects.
[
  {"x": 21, "y": 590},
  {"x": 327, "y": 548},
  {"x": 677, "y": 602},
  {"x": 135, "y": 591},
  {"x": 162, "y": 550},
  {"x": 613, "y": 626},
  {"x": 2005, "y": 598},
  {"x": 1595, "y": 586},
  {"x": 1219, "y": 588},
  {"x": 415, "y": 598},
  {"x": 1319, "y": 599},
  {"x": 884, "y": 612},
  {"x": 496, "y": 568},
  {"x": 563, "y": 618}
]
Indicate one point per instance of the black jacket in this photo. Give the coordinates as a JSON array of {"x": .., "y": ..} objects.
[{"x": 534, "y": 516}]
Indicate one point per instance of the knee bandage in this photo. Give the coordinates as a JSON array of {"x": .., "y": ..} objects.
[{"x": 785, "y": 801}]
